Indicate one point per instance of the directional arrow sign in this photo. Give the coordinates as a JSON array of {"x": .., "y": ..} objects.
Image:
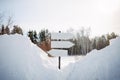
[
  {"x": 62, "y": 36},
  {"x": 58, "y": 42},
  {"x": 57, "y": 52},
  {"x": 61, "y": 44}
]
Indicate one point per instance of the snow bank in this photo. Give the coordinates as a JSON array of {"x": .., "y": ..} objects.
[
  {"x": 22, "y": 60},
  {"x": 99, "y": 65}
]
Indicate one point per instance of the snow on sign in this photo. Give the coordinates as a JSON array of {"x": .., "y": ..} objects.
[
  {"x": 61, "y": 44},
  {"x": 62, "y": 36},
  {"x": 57, "y": 52},
  {"x": 60, "y": 41}
]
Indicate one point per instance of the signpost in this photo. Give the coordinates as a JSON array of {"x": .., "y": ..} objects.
[
  {"x": 59, "y": 59},
  {"x": 60, "y": 44}
]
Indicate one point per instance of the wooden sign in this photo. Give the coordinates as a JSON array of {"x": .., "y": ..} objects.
[{"x": 60, "y": 44}]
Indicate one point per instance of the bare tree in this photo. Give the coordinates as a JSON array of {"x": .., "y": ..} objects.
[
  {"x": 6, "y": 23},
  {"x": 9, "y": 21},
  {"x": 84, "y": 40},
  {"x": 1, "y": 18}
]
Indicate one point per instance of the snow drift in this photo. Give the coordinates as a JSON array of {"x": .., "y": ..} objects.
[
  {"x": 22, "y": 60},
  {"x": 99, "y": 64}
]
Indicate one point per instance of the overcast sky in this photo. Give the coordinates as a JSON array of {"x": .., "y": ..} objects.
[{"x": 102, "y": 16}]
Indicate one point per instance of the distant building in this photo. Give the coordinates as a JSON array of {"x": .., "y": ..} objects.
[{"x": 46, "y": 45}]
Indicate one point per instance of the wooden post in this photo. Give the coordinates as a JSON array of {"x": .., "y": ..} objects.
[
  {"x": 59, "y": 62},
  {"x": 59, "y": 65}
]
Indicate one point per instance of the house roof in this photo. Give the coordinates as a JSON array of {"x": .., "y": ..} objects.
[
  {"x": 64, "y": 36},
  {"x": 61, "y": 44},
  {"x": 57, "y": 52}
]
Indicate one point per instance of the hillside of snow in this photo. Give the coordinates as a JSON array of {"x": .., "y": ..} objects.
[
  {"x": 20, "y": 59},
  {"x": 99, "y": 64}
]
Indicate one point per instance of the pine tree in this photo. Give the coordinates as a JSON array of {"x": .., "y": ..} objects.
[
  {"x": 113, "y": 35},
  {"x": 94, "y": 44},
  {"x": 108, "y": 37},
  {"x": 7, "y": 30},
  {"x": 39, "y": 37},
  {"x": 17, "y": 30},
  {"x": 30, "y": 34},
  {"x": 3, "y": 30},
  {"x": 35, "y": 37},
  {"x": 42, "y": 35},
  {"x": 0, "y": 31}
]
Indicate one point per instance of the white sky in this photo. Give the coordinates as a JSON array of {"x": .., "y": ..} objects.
[{"x": 102, "y": 16}]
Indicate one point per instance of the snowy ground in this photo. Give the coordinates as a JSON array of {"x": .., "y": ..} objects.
[{"x": 22, "y": 60}]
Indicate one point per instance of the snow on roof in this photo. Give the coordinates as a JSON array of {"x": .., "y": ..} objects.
[
  {"x": 57, "y": 52},
  {"x": 61, "y": 44},
  {"x": 64, "y": 36}
]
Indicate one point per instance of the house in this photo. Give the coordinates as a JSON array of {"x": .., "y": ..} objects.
[{"x": 46, "y": 45}]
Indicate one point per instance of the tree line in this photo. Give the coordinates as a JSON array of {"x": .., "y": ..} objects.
[
  {"x": 37, "y": 38},
  {"x": 6, "y": 30},
  {"x": 5, "y": 26},
  {"x": 84, "y": 44}
]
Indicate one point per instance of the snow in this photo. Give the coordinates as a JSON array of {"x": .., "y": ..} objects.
[
  {"x": 64, "y": 36},
  {"x": 22, "y": 60},
  {"x": 99, "y": 65},
  {"x": 61, "y": 44},
  {"x": 66, "y": 60},
  {"x": 58, "y": 52}
]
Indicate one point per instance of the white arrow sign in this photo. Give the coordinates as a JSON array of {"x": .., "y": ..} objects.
[
  {"x": 62, "y": 36},
  {"x": 57, "y": 52},
  {"x": 61, "y": 44}
]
